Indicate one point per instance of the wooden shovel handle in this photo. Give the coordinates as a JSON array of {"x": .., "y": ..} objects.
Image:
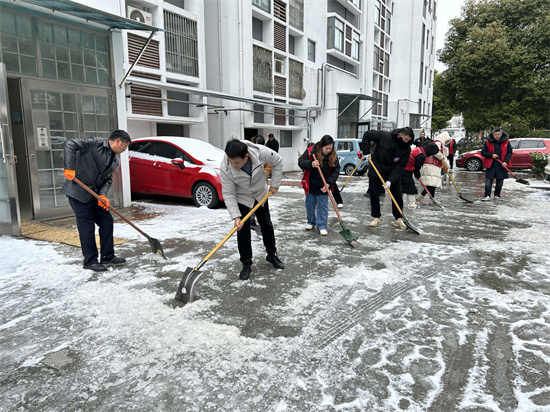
[
  {"x": 328, "y": 191},
  {"x": 94, "y": 194},
  {"x": 383, "y": 183}
]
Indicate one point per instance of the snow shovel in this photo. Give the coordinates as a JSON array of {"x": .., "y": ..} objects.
[
  {"x": 456, "y": 187},
  {"x": 351, "y": 174},
  {"x": 522, "y": 181},
  {"x": 186, "y": 288},
  {"x": 346, "y": 233},
  {"x": 155, "y": 244},
  {"x": 407, "y": 223},
  {"x": 431, "y": 197}
]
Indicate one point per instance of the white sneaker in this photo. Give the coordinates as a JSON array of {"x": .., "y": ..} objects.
[
  {"x": 486, "y": 199},
  {"x": 340, "y": 205},
  {"x": 323, "y": 232},
  {"x": 309, "y": 226},
  {"x": 399, "y": 223},
  {"x": 498, "y": 198},
  {"x": 375, "y": 222}
]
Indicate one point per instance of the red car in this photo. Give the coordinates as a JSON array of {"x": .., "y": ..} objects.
[
  {"x": 521, "y": 158},
  {"x": 176, "y": 166}
]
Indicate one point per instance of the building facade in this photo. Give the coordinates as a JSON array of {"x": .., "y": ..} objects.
[{"x": 206, "y": 69}]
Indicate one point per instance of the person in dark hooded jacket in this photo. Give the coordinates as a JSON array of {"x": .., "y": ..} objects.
[
  {"x": 496, "y": 148},
  {"x": 393, "y": 150},
  {"x": 316, "y": 193}
]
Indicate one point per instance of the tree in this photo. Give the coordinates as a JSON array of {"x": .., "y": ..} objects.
[
  {"x": 498, "y": 65},
  {"x": 442, "y": 111}
]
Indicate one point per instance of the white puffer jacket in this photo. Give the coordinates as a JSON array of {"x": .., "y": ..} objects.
[
  {"x": 239, "y": 187},
  {"x": 431, "y": 174}
]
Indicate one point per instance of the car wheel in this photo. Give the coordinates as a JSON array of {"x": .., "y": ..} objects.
[
  {"x": 204, "y": 194},
  {"x": 348, "y": 169},
  {"x": 473, "y": 165}
]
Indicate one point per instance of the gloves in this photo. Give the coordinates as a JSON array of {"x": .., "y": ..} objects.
[
  {"x": 69, "y": 173},
  {"x": 387, "y": 185},
  {"x": 445, "y": 165},
  {"x": 417, "y": 174},
  {"x": 105, "y": 203}
]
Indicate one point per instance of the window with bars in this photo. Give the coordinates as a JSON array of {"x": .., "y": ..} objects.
[
  {"x": 146, "y": 100},
  {"x": 263, "y": 69},
  {"x": 296, "y": 11},
  {"x": 279, "y": 10},
  {"x": 149, "y": 58},
  {"x": 296, "y": 79},
  {"x": 181, "y": 44}
]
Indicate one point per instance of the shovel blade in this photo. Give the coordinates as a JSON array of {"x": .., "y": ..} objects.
[
  {"x": 348, "y": 236},
  {"x": 410, "y": 226},
  {"x": 523, "y": 181},
  {"x": 156, "y": 247},
  {"x": 186, "y": 288},
  {"x": 465, "y": 198}
]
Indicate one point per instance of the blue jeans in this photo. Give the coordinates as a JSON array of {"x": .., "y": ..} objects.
[
  {"x": 319, "y": 202},
  {"x": 489, "y": 184}
]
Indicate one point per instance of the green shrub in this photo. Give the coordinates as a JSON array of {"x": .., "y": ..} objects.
[{"x": 539, "y": 163}]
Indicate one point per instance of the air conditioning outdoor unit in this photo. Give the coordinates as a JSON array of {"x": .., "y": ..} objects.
[
  {"x": 142, "y": 16},
  {"x": 279, "y": 66}
]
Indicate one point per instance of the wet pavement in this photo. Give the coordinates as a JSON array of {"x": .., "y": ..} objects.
[{"x": 454, "y": 319}]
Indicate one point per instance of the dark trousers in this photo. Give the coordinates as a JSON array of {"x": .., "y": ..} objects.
[
  {"x": 88, "y": 215},
  {"x": 336, "y": 194},
  {"x": 451, "y": 158},
  {"x": 243, "y": 235},
  {"x": 431, "y": 189},
  {"x": 376, "y": 188},
  {"x": 498, "y": 186}
]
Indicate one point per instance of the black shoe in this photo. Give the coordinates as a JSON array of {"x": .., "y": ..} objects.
[
  {"x": 245, "y": 272},
  {"x": 114, "y": 261},
  {"x": 275, "y": 261},
  {"x": 96, "y": 267}
]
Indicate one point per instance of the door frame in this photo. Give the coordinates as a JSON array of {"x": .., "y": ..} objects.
[{"x": 14, "y": 227}]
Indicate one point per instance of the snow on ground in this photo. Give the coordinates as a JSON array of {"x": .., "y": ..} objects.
[{"x": 457, "y": 318}]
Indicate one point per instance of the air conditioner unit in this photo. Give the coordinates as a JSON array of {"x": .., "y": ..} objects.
[
  {"x": 142, "y": 16},
  {"x": 279, "y": 66}
]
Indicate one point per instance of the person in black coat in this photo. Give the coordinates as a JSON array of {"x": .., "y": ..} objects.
[
  {"x": 497, "y": 147},
  {"x": 272, "y": 143},
  {"x": 316, "y": 193},
  {"x": 392, "y": 153},
  {"x": 93, "y": 162}
]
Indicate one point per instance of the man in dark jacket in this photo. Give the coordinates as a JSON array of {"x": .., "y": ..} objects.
[
  {"x": 272, "y": 143},
  {"x": 93, "y": 162},
  {"x": 495, "y": 150},
  {"x": 392, "y": 153}
]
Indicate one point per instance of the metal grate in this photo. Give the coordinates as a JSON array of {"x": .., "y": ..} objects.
[
  {"x": 296, "y": 79},
  {"x": 280, "y": 86},
  {"x": 279, "y": 114},
  {"x": 181, "y": 44},
  {"x": 151, "y": 103},
  {"x": 279, "y": 10},
  {"x": 149, "y": 58},
  {"x": 279, "y": 36},
  {"x": 263, "y": 69}
]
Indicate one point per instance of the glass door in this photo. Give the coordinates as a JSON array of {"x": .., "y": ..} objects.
[
  {"x": 55, "y": 113},
  {"x": 10, "y": 221}
]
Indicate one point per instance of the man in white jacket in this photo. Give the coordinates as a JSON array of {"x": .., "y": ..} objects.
[{"x": 244, "y": 183}]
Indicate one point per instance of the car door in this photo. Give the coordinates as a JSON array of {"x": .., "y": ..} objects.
[
  {"x": 142, "y": 167},
  {"x": 344, "y": 150},
  {"x": 521, "y": 159},
  {"x": 172, "y": 179}
]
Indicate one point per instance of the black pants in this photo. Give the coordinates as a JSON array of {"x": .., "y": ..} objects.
[
  {"x": 88, "y": 215},
  {"x": 376, "y": 188},
  {"x": 431, "y": 189},
  {"x": 243, "y": 235},
  {"x": 450, "y": 158},
  {"x": 336, "y": 194}
]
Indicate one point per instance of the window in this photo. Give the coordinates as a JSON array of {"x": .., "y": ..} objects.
[
  {"x": 296, "y": 9},
  {"x": 177, "y": 105},
  {"x": 291, "y": 44},
  {"x": 529, "y": 144},
  {"x": 177, "y": 3},
  {"x": 262, "y": 63},
  {"x": 265, "y": 5},
  {"x": 295, "y": 78},
  {"x": 167, "y": 150},
  {"x": 257, "y": 29},
  {"x": 285, "y": 138},
  {"x": 258, "y": 113},
  {"x": 182, "y": 53},
  {"x": 311, "y": 50},
  {"x": 335, "y": 34},
  {"x": 355, "y": 46},
  {"x": 17, "y": 43}
]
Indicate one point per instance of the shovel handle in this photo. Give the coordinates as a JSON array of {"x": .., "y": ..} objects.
[
  {"x": 244, "y": 219},
  {"x": 508, "y": 170},
  {"x": 94, "y": 194},
  {"x": 383, "y": 183},
  {"x": 351, "y": 174},
  {"x": 450, "y": 177},
  {"x": 328, "y": 191}
]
